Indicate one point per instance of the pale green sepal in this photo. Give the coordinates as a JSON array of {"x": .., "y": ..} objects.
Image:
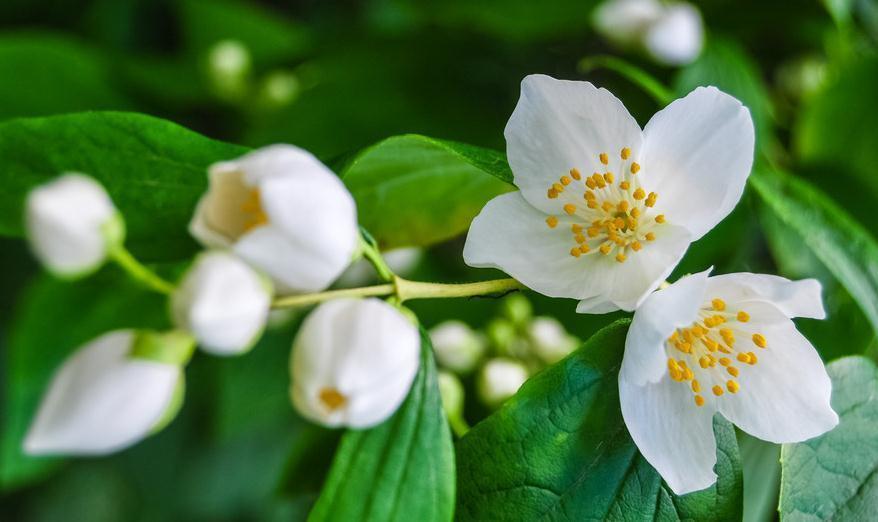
[{"x": 172, "y": 347}]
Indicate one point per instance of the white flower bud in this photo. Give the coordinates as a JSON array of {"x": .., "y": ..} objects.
[
  {"x": 223, "y": 303},
  {"x": 353, "y": 362},
  {"x": 228, "y": 69},
  {"x": 102, "y": 399},
  {"x": 677, "y": 37},
  {"x": 457, "y": 346},
  {"x": 624, "y": 21},
  {"x": 451, "y": 391},
  {"x": 549, "y": 339},
  {"x": 500, "y": 379},
  {"x": 517, "y": 309},
  {"x": 282, "y": 211},
  {"x": 71, "y": 224}
]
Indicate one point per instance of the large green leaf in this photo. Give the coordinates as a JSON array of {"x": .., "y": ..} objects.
[
  {"x": 400, "y": 470},
  {"x": 559, "y": 450},
  {"x": 835, "y": 476},
  {"x": 52, "y": 320},
  {"x": 847, "y": 249},
  {"x": 34, "y": 65},
  {"x": 153, "y": 169},
  {"x": 415, "y": 190}
]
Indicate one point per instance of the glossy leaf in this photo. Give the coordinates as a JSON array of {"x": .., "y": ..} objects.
[
  {"x": 833, "y": 477},
  {"x": 847, "y": 249},
  {"x": 559, "y": 450},
  {"x": 154, "y": 170},
  {"x": 400, "y": 470},
  {"x": 415, "y": 190}
]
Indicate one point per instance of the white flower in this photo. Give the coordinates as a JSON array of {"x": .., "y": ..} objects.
[
  {"x": 457, "y": 346},
  {"x": 499, "y": 379},
  {"x": 283, "y": 212},
  {"x": 353, "y": 362},
  {"x": 549, "y": 339},
  {"x": 102, "y": 400},
  {"x": 673, "y": 33},
  {"x": 223, "y": 303},
  {"x": 605, "y": 211},
  {"x": 721, "y": 344},
  {"x": 71, "y": 224},
  {"x": 677, "y": 37}
]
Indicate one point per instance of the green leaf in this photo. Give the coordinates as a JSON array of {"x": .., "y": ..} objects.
[
  {"x": 52, "y": 320},
  {"x": 415, "y": 190},
  {"x": 34, "y": 65},
  {"x": 559, "y": 450},
  {"x": 761, "y": 463},
  {"x": 400, "y": 470},
  {"x": 836, "y": 132},
  {"x": 154, "y": 170},
  {"x": 847, "y": 249},
  {"x": 835, "y": 476},
  {"x": 724, "y": 64}
]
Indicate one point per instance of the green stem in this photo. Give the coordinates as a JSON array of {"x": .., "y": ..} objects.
[
  {"x": 458, "y": 425},
  {"x": 374, "y": 257},
  {"x": 636, "y": 75},
  {"x": 139, "y": 272},
  {"x": 404, "y": 290}
]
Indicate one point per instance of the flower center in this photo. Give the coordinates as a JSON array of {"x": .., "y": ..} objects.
[
  {"x": 704, "y": 354},
  {"x": 254, "y": 215},
  {"x": 332, "y": 398},
  {"x": 611, "y": 216}
]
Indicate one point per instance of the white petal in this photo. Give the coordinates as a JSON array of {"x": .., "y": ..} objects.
[
  {"x": 697, "y": 154},
  {"x": 223, "y": 303},
  {"x": 625, "y": 21},
  {"x": 673, "y": 435},
  {"x": 793, "y": 298},
  {"x": 280, "y": 160},
  {"x": 597, "y": 304},
  {"x": 218, "y": 219},
  {"x": 785, "y": 396},
  {"x": 364, "y": 349},
  {"x": 512, "y": 236},
  {"x": 65, "y": 220},
  {"x": 559, "y": 125},
  {"x": 677, "y": 36},
  {"x": 657, "y": 317},
  {"x": 101, "y": 401}
]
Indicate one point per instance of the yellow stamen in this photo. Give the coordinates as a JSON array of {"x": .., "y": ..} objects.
[
  {"x": 635, "y": 168},
  {"x": 718, "y": 304},
  {"x": 743, "y": 316},
  {"x": 625, "y": 185},
  {"x": 570, "y": 208},
  {"x": 608, "y": 177},
  {"x": 650, "y": 236},
  {"x": 660, "y": 218},
  {"x": 733, "y": 371},
  {"x": 639, "y": 194},
  {"x": 626, "y": 152},
  {"x": 699, "y": 400},
  {"x": 332, "y": 398},
  {"x": 575, "y": 252},
  {"x": 620, "y": 258},
  {"x": 552, "y": 221},
  {"x": 696, "y": 387},
  {"x": 574, "y": 173},
  {"x": 759, "y": 340},
  {"x": 732, "y": 386},
  {"x": 604, "y": 158},
  {"x": 717, "y": 390}
]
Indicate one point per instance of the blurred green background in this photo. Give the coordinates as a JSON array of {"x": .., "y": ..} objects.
[{"x": 334, "y": 77}]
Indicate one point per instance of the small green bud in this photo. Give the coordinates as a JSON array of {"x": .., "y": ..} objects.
[
  {"x": 502, "y": 334},
  {"x": 517, "y": 308},
  {"x": 173, "y": 347},
  {"x": 451, "y": 391}
]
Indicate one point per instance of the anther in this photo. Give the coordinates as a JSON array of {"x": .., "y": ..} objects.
[
  {"x": 733, "y": 371},
  {"x": 605, "y": 249},
  {"x": 574, "y": 173},
  {"x": 717, "y": 390},
  {"x": 575, "y": 252},
  {"x": 718, "y": 304},
  {"x": 552, "y": 193},
  {"x": 552, "y": 221},
  {"x": 623, "y": 206},
  {"x": 725, "y": 361},
  {"x": 635, "y": 168},
  {"x": 696, "y": 387},
  {"x": 743, "y": 357},
  {"x": 604, "y": 158},
  {"x": 650, "y": 199},
  {"x": 635, "y": 213},
  {"x": 743, "y": 316},
  {"x": 699, "y": 400},
  {"x": 625, "y": 185},
  {"x": 589, "y": 182},
  {"x": 558, "y": 187},
  {"x": 650, "y": 236},
  {"x": 626, "y": 153},
  {"x": 639, "y": 194},
  {"x": 732, "y": 386},
  {"x": 660, "y": 218},
  {"x": 576, "y": 228},
  {"x": 636, "y": 246},
  {"x": 570, "y": 208},
  {"x": 759, "y": 340},
  {"x": 620, "y": 257},
  {"x": 753, "y": 358},
  {"x": 608, "y": 177},
  {"x": 565, "y": 180}
]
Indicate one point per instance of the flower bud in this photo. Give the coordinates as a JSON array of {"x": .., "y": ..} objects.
[
  {"x": 228, "y": 69},
  {"x": 223, "y": 303},
  {"x": 105, "y": 397},
  {"x": 499, "y": 379},
  {"x": 282, "y": 211},
  {"x": 451, "y": 391},
  {"x": 624, "y": 21},
  {"x": 549, "y": 339},
  {"x": 353, "y": 362},
  {"x": 517, "y": 309},
  {"x": 457, "y": 346},
  {"x": 677, "y": 37},
  {"x": 502, "y": 334},
  {"x": 72, "y": 224}
]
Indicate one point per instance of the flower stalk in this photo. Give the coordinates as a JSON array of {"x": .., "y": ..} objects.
[{"x": 139, "y": 271}]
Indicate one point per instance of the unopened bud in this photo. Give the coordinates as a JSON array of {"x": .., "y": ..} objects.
[
  {"x": 499, "y": 379},
  {"x": 550, "y": 340},
  {"x": 457, "y": 346}
]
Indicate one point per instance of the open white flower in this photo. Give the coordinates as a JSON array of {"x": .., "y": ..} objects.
[
  {"x": 605, "y": 211},
  {"x": 223, "y": 303},
  {"x": 71, "y": 224},
  {"x": 722, "y": 344},
  {"x": 283, "y": 212},
  {"x": 353, "y": 362},
  {"x": 103, "y": 400}
]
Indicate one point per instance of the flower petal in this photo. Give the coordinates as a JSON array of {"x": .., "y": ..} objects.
[
  {"x": 793, "y": 298},
  {"x": 784, "y": 397},
  {"x": 672, "y": 434},
  {"x": 101, "y": 400},
  {"x": 657, "y": 317},
  {"x": 559, "y": 125},
  {"x": 697, "y": 154},
  {"x": 510, "y": 235}
]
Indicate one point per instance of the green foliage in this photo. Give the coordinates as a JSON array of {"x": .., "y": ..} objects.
[
  {"x": 847, "y": 250},
  {"x": 832, "y": 477},
  {"x": 154, "y": 170},
  {"x": 38, "y": 346},
  {"x": 34, "y": 65},
  {"x": 559, "y": 450},
  {"x": 415, "y": 190},
  {"x": 400, "y": 470}
]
